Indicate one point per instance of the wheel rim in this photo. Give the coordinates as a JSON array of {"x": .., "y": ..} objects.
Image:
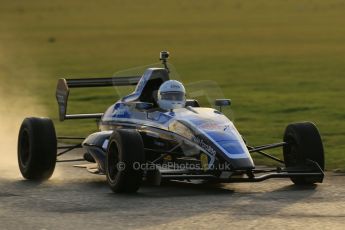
[
  {"x": 113, "y": 160},
  {"x": 24, "y": 153}
]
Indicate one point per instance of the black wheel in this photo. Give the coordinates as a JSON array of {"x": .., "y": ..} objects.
[
  {"x": 125, "y": 154},
  {"x": 37, "y": 147},
  {"x": 304, "y": 144}
]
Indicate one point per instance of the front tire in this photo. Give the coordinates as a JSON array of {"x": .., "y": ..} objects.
[
  {"x": 303, "y": 144},
  {"x": 37, "y": 148},
  {"x": 125, "y": 154}
]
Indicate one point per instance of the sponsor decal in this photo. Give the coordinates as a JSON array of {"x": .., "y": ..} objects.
[
  {"x": 121, "y": 111},
  {"x": 214, "y": 126},
  {"x": 60, "y": 99},
  {"x": 203, "y": 145},
  {"x": 175, "y": 87}
]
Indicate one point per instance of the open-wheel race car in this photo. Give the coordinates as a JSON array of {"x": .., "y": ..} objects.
[{"x": 156, "y": 134}]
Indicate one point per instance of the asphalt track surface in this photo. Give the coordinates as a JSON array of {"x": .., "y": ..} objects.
[{"x": 75, "y": 199}]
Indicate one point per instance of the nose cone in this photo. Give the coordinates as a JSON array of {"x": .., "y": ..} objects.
[
  {"x": 217, "y": 130},
  {"x": 233, "y": 147}
]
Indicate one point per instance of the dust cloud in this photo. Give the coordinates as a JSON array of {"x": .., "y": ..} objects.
[
  {"x": 16, "y": 103},
  {"x": 13, "y": 109}
]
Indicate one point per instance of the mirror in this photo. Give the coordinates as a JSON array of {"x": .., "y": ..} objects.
[{"x": 222, "y": 102}]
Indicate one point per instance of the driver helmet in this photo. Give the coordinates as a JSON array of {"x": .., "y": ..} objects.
[{"x": 171, "y": 95}]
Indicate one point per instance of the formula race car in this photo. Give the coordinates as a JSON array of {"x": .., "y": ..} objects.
[{"x": 156, "y": 134}]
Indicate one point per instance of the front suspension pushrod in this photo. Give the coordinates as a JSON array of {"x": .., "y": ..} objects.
[{"x": 270, "y": 146}]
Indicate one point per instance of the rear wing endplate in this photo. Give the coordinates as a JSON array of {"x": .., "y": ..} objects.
[{"x": 64, "y": 85}]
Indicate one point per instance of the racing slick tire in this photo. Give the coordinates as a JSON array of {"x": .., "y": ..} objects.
[
  {"x": 37, "y": 148},
  {"x": 125, "y": 153},
  {"x": 304, "y": 144}
]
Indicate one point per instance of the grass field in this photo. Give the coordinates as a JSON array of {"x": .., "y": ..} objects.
[{"x": 279, "y": 61}]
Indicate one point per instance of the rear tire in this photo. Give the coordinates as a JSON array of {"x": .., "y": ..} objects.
[
  {"x": 304, "y": 143},
  {"x": 125, "y": 154},
  {"x": 37, "y": 148}
]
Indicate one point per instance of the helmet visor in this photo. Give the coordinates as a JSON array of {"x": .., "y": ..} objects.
[{"x": 172, "y": 96}]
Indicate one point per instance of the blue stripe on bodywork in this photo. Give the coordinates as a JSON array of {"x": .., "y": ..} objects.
[
  {"x": 227, "y": 141},
  {"x": 160, "y": 118},
  {"x": 121, "y": 111},
  {"x": 232, "y": 147},
  {"x": 220, "y": 136}
]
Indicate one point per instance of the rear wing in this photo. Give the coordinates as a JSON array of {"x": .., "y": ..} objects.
[{"x": 64, "y": 85}]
